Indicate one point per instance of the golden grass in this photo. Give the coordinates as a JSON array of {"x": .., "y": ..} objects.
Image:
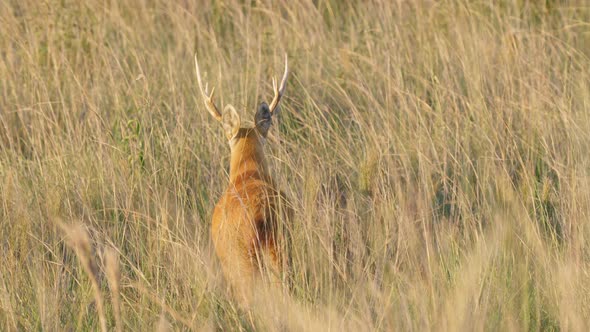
[{"x": 436, "y": 155}]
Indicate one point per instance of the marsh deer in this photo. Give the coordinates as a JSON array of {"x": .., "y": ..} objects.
[{"x": 247, "y": 218}]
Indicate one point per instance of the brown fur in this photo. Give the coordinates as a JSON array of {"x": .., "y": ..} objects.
[{"x": 245, "y": 221}]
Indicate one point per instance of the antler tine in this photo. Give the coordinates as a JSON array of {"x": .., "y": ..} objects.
[
  {"x": 281, "y": 90},
  {"x": 207, "y": 98}
]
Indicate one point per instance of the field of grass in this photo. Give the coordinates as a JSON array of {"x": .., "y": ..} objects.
[{"x": 436, "y": 154}]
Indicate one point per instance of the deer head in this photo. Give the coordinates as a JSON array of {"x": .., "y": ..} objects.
[{"x": 230, "y": 119}]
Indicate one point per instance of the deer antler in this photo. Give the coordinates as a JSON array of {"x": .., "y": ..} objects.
[
  {"x": 279, "y": 91},
  {"x": 207, "y": 97}
]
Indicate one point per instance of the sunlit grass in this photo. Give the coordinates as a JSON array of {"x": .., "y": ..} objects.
[{"x": 436, "y": 155}]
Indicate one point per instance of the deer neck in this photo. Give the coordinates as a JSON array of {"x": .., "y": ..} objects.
[{"x": 248, "y": 162}]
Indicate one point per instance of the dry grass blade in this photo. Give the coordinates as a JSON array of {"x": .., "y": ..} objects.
[
  {"x": 78, "y": 239},
  {"x": 163, "y": 324},
  {"x": 113, "y": 273}
]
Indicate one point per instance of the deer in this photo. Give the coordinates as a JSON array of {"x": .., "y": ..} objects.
[{"x": 245, "y": 228}]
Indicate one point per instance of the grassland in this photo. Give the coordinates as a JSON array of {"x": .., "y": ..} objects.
[{"x": 436, "y": 154}]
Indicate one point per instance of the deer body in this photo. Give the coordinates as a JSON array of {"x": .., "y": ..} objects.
[
  {"x": 245, "y": 220},
  {"x": 247, "y": 217}
]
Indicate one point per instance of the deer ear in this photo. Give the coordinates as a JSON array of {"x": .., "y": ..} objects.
[
  {"x": 230, "y": 121},
  {"x": 263, "y": 119}
]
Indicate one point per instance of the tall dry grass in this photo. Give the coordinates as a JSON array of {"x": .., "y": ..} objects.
[{"x": 436, "y": 155}]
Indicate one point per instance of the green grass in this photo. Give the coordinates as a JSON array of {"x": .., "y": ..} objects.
[{"x": 436, "y": 155}]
